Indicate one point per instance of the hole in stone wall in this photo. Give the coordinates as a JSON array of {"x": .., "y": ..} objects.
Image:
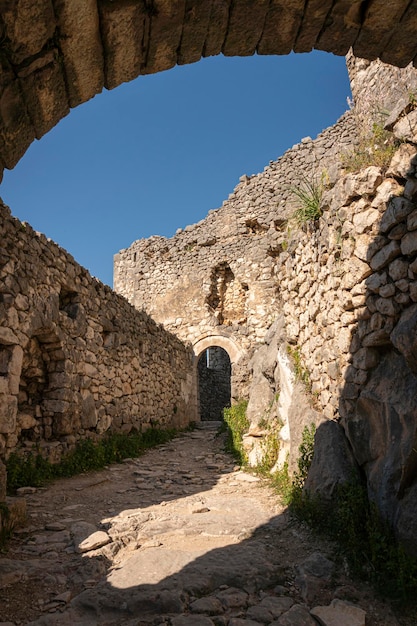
[
  {"x": 214, "y": 383},
  {"x": 68, "y": 302},
  {"x": 227, "y": 297},
  {"x": 254, "y": 227}
]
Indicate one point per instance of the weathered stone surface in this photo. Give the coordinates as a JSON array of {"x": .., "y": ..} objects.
[
  {"x": 43, "y": 85},
  {"x": 298, "y": 614},
  {"x": 382, "y": 432},
  {"x": 123, "y": 30},
  {"x": 81, "y": 46},
  {"x": 398, "y": 209},
  {"x": 409, "y": 243},
  {"x": 401, "y": 162},
  {"x": 333, "y": 462},
  {"x": 194, "y": 32},
  {"x": 404, "y": 336},
  {"x": 96, "y": 540},
  {"x": 375, "y": 33},
  {"x": 281, "y": 27},
  {"x": 165, "y": 24},
  {"x": 246, "y": 21},
  {"x": 342, "y": 27},
  {"x": 339, "y": 613},
  {"x": 28, "y": 26},
  {"x": 8, "y": 413},
  {"x": 387, "y": 254},
  {"x": 144, "y": 39},
  {"x": 314, "y": 15}
]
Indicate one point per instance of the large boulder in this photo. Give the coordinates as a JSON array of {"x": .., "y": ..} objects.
[
  {"x": 383, "y": 434},
  {"x": 333, "y": 461}
]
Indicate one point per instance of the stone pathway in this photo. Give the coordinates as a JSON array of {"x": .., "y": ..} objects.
[{"x": 179, "y": 536}]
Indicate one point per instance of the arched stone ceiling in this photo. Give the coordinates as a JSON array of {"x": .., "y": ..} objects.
[{"x": 57, "y": 54}]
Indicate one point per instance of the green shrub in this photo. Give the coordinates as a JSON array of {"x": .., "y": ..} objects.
[
  {"x": 33, "y": 470},
  {"x": 376, "y": 146},
  {"x": 308, "y": 194},
  {"x": 301, "y": 373},
  {"x": 237, "y": 422}
]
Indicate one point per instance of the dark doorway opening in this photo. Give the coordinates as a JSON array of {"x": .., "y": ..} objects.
[{"x": 214, "y": 383}]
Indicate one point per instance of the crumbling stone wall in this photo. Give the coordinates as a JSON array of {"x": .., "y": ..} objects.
[
  {"x": 76, "y": 359},
  {"x": 220, "y": 276},
  {"x": 342, "y": 289}
]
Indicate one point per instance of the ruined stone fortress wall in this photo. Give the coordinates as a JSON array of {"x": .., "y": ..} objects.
[
  {"x": 75, "y": 358},
  {"x": 219, "y": 277},
  {"x": 344, "y": 289},
  {"x": 232, "y": 273}
]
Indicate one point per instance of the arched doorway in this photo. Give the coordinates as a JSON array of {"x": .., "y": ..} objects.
[{"x": 214, "y": 371}]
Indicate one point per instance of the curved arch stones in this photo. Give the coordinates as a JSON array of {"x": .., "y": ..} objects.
[
  {"x": 228, "y": 344},
  {"x": 57, "y": 54}
]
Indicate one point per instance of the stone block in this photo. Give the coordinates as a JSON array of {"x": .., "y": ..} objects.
[
  {"x": 398, "y": 269},
  {"x": 365, "y": 358},
  {"x": 43, "y": 86},
  {"x": 123, "y": 32},
  {"x": 16, "y": 129},
  {"x": 341, "y": 27},
  {"x": 217, "y": 29},
  {"x": 314, "y": 15},
  {"x": 409, "y": 243},
  {"x": 404, "y": 336},
  {"x": 376, "y": 28},
  {"x": 194, "y": 32},
  {"x": 80, "y": 42},
  {"x": 246, "y": 21},
  {"x": 401, "y": 161},
  {"x": 29, "y": 24},
  {"x": 339, "y": 613},
  {"x": 403, "y": 35},
  {"x": 8, "y": 413},
  {"x": 384, "y": 256},
  {"x": 406, "y": 127},
  {"x": 398, "y": 210},
  {"x": 164, "y": 38},
  {"x": 7, "y": 337},
  {"x": 281, "y": 26}
]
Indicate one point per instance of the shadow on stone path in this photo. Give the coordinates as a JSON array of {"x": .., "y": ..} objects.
[{"x": 179, "y": 536}]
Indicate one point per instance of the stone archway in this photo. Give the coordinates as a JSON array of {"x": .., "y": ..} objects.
[
  {"x": 214, "y": 372},
  {"x": 57, "y": 54},
  {"x": 235, "y": 355}
]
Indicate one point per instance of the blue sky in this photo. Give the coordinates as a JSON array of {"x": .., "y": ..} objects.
[{"x": 158, "y": 153}]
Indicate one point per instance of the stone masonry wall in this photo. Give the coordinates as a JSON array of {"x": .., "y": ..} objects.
[
  {"x": 343, "y": 292},
  {"x": 219, "y": 276},
  {"x": 76, "y": 360}
]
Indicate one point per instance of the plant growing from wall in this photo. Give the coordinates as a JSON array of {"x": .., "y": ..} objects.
[
  {"x": 376, "y": 146},
  {"x": 308, "y": 195},
  {"x": 301, "y": 373},
  {"x": 237, "y": 425}
]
